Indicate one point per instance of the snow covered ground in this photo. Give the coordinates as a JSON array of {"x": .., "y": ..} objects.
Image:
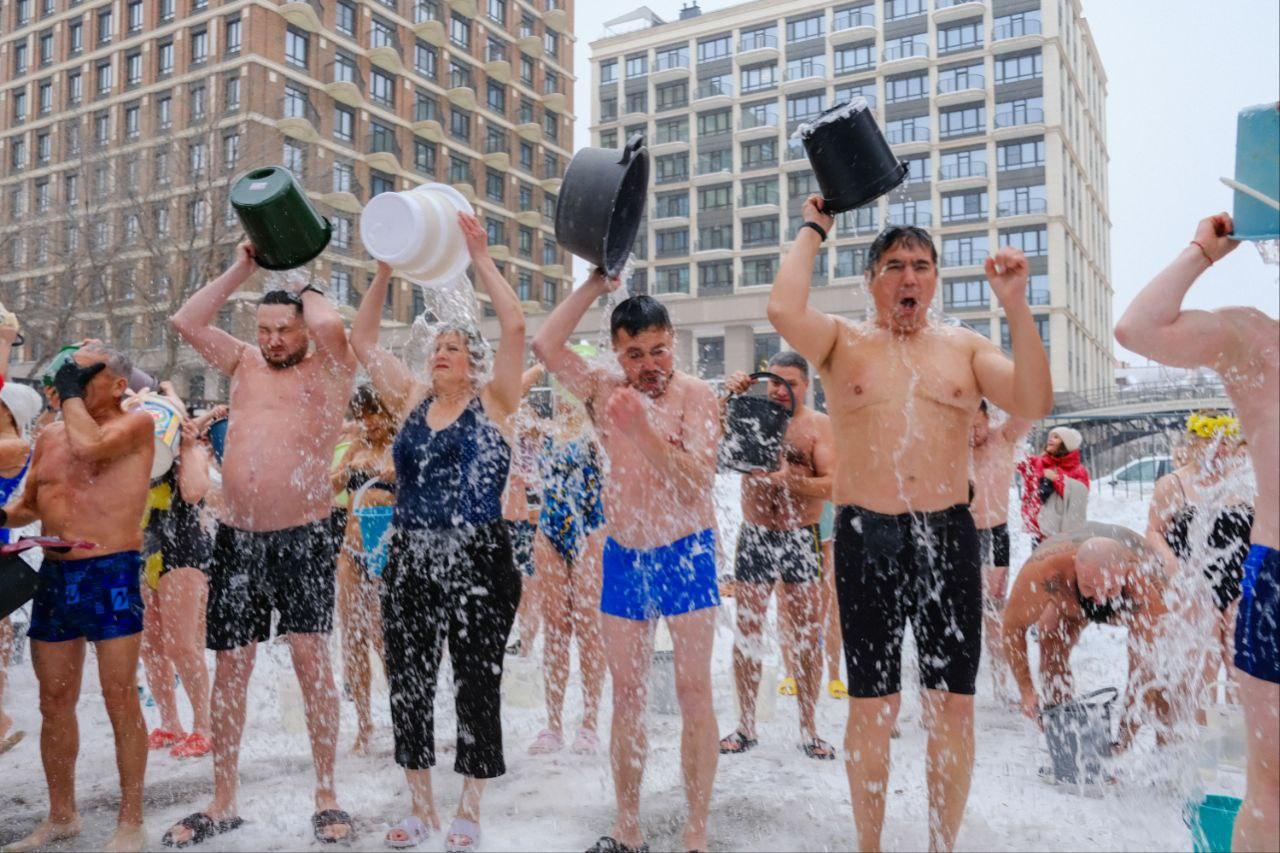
[{"x": 774, "y": 798}]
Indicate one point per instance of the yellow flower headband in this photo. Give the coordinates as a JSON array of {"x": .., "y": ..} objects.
[{"x": 1212, "y": 426}]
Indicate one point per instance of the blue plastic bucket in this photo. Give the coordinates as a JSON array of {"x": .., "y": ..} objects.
[
  {"x": 218, "y": 437},
  {"x": 375, "y": 527},
  {"x": 1257, "y": 169},
  {"x": 1211, "y": 821}
]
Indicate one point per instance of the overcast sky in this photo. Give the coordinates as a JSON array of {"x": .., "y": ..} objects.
[{"x": 1178, "y": 71}]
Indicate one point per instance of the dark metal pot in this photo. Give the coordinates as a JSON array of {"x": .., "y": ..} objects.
[
  {"x": 602, "y": 202},
  {"x": 279, "y": 219},
  {"x": 754, "y": 428},
  {"x": 850, "y": 157}
]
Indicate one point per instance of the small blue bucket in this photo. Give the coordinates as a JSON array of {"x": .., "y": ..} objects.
[
  {"x": 1256, "y": 211},
  {"x": 218, "y": 437},
  {"x": 375, "y": 530},
  {"x": 1211, "y": 822}
]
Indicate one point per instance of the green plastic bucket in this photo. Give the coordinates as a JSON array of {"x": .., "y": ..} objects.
[
  {"x": 1211, "y": 821},
  {"x": 279, "y": 219}
]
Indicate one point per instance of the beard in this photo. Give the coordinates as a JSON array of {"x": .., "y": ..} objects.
[{"x": 290, "y": 360}]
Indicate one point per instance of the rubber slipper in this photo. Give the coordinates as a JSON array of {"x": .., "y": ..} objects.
[
  {"x": 202, "y": 829},
  {"x": 787, "y": 687},
  {"x": 11, "y": 741},
  {"x": 322, "y": 820},
  {"x": 586, "y": 742},
  {"x": 414, "y": 829},
  {"x": 546, "y": 742},
  {"x": 836, "y": 689},
  {"x": 819, "y": 749},
  {"x": 194, "y": 745},
  {"x": 163, "y": 739},
  {"x": 462, "y": 828},
  {"x": 735, "y": 744},
  {"x": 609, "y": 844}
]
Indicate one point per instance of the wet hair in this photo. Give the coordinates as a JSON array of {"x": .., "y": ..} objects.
[
  {"x": 900, "y": 235},
  {"x": 281, "y": 297},
  {"x": 366, "y": 403},
  {"x": 790, "y": 358},
  {"x": 637, "y": 314},
  {"x": 117, "y": 362},
  {"x": 477, "y": 352}
]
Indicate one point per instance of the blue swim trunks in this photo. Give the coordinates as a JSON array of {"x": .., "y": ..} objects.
[
  {"x": 98, "y": 599},
  {"x": 666, "y": 581},
  {"x": 1258, "y": 621}
]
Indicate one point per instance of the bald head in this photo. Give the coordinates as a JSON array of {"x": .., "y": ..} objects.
[{"x": 1101, "y": 566}]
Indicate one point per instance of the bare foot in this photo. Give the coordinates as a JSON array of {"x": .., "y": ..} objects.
[
  {"x": 47, "y": 833},
  {"x": 694, "y": 840},
  {"x": 363, "y": 739},
  {"x": 337, "y": 831},
  {"x": 129, "y": 838}
]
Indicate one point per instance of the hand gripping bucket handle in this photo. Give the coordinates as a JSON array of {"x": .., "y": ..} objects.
[
  {"x": 375, "y": 527},
  {"x": 764, "y": 374},
  {"x": 751, "y": 425},
  {"x": 1076, "y": 747}
]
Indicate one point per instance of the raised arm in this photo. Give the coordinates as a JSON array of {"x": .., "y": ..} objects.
[
  {"x": 1155, "y": 324},
  {"x": 1014, "y": 428},
  {"x": 809, "y": 332},
  {"x": 325, "y": 326},
  {"x": 504, "y": 388},
  {"x": 389, "y": 375},
  {"x": 550, "y": 344},
  {"x": 194, "y": 320},
  {"x": 1022, "y": 387}
]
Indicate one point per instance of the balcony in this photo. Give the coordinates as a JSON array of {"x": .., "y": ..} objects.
[
  {"x": 1025, "y": 207},
  {"x": 346, "y": 85},
  {"x": 958, "y": 89},
  {"x": 758, "y": 206},
  {"x": 303, "y": 14},
  {"x": 465, "y": 8},
  {"x": 343, "y": 194},
  {"x": 429, "y": 128},
  {"x": 387, "y": 56},
  {"x": 551, "y": 185},
  {"x": 529, "y": 131},
  {"x": 299, "y": 119},
  {"x": 904, "y": 57},
  {"x": 751, "y": 126},
  {"x": 531, "y": 46},
  {"x": 383, "y": 153},
  {"x": 852, "y": 26},
  {"x": 662, "y": 219},
  {"x": 806, "y": 75},
  {"x": 961, "y": 259},
  {"x": 463, "y": 97},
  {"x": 1016, "y": 35},
  {"x": 431, "y": 31},
  {"x": 907, "y": 135},
  {"x": 953, "y": 10},
  {"x": 919, "y": 218},
  {"x": 669, "y": 66},
  {"x": 529, "y": 218},
  {"x": 556, "y": 18},
  {"x": 497, "y": 153},
  {"x": 668, "y": 146},
  {"x": 1017, "y": 118},
  {"x": 713, "y": 93},
  {"x": 554, "y": 101},
  {"x": 972, "y": 173},
  {"x": 758, "y": 48},
  {"x": 497, "y": 66}
]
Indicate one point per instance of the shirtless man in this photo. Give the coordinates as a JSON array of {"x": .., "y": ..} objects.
[
  {"x": 1100, "y": 574},
  {"x": 780, "y": 541},
  {"x": 1243, "y": 346},
  {"x": 274, "y": 549},
  {"x": 659, "y": 428},
  {"x": 993, "y": 452},
  {"x": 901, "y": 393},
  {"x": 88, "y": 484}
]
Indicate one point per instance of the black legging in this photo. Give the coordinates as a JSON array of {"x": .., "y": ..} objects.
[{"x": 462, "y": 587}]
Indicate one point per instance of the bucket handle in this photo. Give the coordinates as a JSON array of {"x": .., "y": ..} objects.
[
  {"x": 764, "y": 374},
  {"x": 1114, "y": 693},
  {"x": 634, "y": 144},
  {"x": 359, "y": 493}
]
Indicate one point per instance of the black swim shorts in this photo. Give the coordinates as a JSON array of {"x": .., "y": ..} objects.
[
  {"x": 918, "y": 566},
  {"x": 765, "y": 555},
  {"x": 253, "y": 573},
  {"x": 994, "y": 545}
]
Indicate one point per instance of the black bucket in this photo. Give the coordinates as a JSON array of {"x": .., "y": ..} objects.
[
  {"x": 850, "y": 157},
  {"x": 602, "y": 202},
  {"x": 1078, "y": 734},
  {"x": 285, "y": 229},
  {"x": 753, "y": 430}
]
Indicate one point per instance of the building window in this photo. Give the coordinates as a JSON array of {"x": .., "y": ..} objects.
[
  {"x": 382, "y": 34},
  {"x": 382, "y": 138},
  {"x": 460, "y": 31},
  {"x": 1013, "y": 26},
  {"x": 1010, "y": 69},
  {"x": 638, "y": 102},
  {"x": 715, "y": 198},
  {"x": 496, "y": 97},
  {"x": 637, "y": 66},
  {"x": 965, "y": 293},
  {"x": 896, "y": 9},
  {"x": 1021, "y": 111},
  {"x": 720, "y": 160},
  {"x": 967, "y": 36},
  {"x": 758, "y": 232},
  {"x": 296, "y": 47},
  {"x": 964, "y": 251},
  {"x": 460, "y": 124},
  {"x": 198, "y": 97},
  {"x": 667, "y": 205},
  {"x": 671, "y": 242},
  {"x": 104, "y": 26},
  {"x": 962, "y": 207},
  {"x": 75, "y": 37},
  {"x": 199, "y": 46},
  {"x": 1034, "y": 242},
  {"x": 230, "y": 150},
  {"x": 293, "y": 157},
  {"x": 382, "y": 89},
  {"x": 231, "y": 93},
  {"x": 494, "y": 186},
  {"x": 609, "y": 72},
  {"x": 380, "y": 182},
  {"x": 716, "y": 47},
  {"x": 231, "y": 35},
  {"x": 344, "y": 124},
  {"x": 424, "y": 156},
  {"x": 497, "y": 11},
  {"x": 961, "y": 79},
  {"x": 919, "y": 169},
  {"x": 760, "y": 153},
  {"x": 673, "y": 130},
  {"x": 906, "y": 88},
  {"x": 132, "y": 121},
  {"x": 1022, "y": 154},
  {"x": 850, "y": 261},
  {"x": 671, "y": 167},
  {"x": 1021, "y": 201},
  {"x": 45, "y": 97},
  {"x": 759, "y": 77},
  {"x": 859, "y": 57},
  {"x": 805, "y": 28},
  {"x": 760, "y": 191},
  {"x": 168, "y": 8},
  {"x": 672, "y": 279},
  {"x": 715, "y": 275},
  {"x": 133, "y": 69},
  {"x": 673, "y": 96},
  {"x": 551, "y": 43},
  {"x": 459, "y": 170},
  {"x": 804, "y": 107},
  {"x": 104, "y": 77},
  {"x": 164, "y": 58},
  {"x": 901, "y": 48},
  {"x": 907, "y": 130},
  {"x": 760, "y": 37},
  {"x": 759, "y": 270},
  {"x": 295, "y": 102},
  {"x": 425, "y": 59},
  {"x": 720, "y": 121},
  {"x": 963, "y": 121},
  {"x": 345, "y": 19},
  {"x": 711, "y": 350},
  {"x": 671, "y": 57},
  {"x": 963, "y": 164}
]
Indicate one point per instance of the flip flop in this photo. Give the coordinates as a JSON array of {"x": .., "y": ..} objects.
[
  {"x": 819, "y": 749},
  {"x": 735, "y": 744},
  {"x": 414, "y": 828},
  {"x": 836, "y": 689},
  {"x": 586, "y": 742},
  {"x": 609, "y": 844},
  {"x": 787, "y": 687},
  {"x": 322, "y": 820},
  {"x": 11, "y": 741},
  {"x": 202, "y": 829},
  {"x": 546, "y": 743},
  {"x": 462, "y": 828}
]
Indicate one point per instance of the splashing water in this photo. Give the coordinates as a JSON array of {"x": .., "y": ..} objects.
[{"x": 454, "y": 305}]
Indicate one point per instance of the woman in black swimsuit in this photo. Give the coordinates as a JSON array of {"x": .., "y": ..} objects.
[
  {"x": 367, "y": 458},
  {"x": 1202, "y": 513}
]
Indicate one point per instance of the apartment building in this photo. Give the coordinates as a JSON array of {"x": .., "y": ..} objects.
[
  {"x": 123, "y": 123},
  {"x": 997, "y": 106}
]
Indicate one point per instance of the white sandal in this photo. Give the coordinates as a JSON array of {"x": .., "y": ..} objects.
[{"x": 415, "y": 830}]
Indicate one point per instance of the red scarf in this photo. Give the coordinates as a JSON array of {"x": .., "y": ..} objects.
[{"x": 1032, "y": 470}]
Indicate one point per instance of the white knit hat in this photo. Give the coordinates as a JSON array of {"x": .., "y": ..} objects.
[
  {"x": 1071, "y": 439},
  {"x": 23, "y": 402}
]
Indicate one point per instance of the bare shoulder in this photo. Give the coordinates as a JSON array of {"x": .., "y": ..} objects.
[
  {"x": 966, "y": 339},
  {"x": 138, "y": 423},
  {"x": 694, "y": 390}
]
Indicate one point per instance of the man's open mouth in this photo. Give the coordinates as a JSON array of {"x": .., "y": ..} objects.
[{"x": 907, "y": 303}]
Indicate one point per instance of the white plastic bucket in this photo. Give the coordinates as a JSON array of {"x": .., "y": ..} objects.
[
  {"x": 417, "y": 232},
  {"x": 168, "y": 431}
]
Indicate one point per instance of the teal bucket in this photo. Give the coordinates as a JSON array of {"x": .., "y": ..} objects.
[
  {"x": 1256, "y": 211},
  {"x": 1211, "y": 821},
  {"x": 375, "y": 527}
]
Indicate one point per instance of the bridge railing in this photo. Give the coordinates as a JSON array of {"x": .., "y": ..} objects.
[{"x": 1147, "y": 392}]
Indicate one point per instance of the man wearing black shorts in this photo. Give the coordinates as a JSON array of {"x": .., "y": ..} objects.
[
  {"x": 780, "y": 541},
  {"x": 902, "y": 391},
  {"x": 274, "y": 549}
]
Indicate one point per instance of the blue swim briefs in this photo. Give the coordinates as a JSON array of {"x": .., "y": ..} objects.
[
  {"x": 669, "y": 580},
  {"x": 98, "y": 598},
  {"x": 1258, "y": 620}
]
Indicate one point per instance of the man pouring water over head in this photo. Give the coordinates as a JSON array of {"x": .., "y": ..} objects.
[{"x": 902, "y": 391}]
